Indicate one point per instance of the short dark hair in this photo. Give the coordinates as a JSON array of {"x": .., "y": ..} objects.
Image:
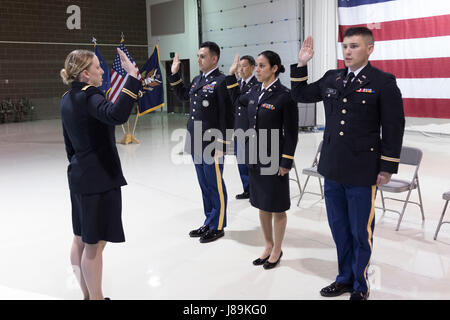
[
  {"x": 274, "y": 60},
  {"x": 213, "y": 47},
  {"x": 360, "y": 31},
  {"x": 250, "y": 60}
]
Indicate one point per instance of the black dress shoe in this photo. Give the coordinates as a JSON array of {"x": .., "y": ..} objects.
[
  {"x": 260, "y": 261},
  {"x": 212, "y": 235},
  {"x": 336, "y": 289},
  {"x": 199, "y": 232},
  {"x": 270, "y": 265},
  {"x": 358, "y": 295},
  {"x": 243, "y": 195}
]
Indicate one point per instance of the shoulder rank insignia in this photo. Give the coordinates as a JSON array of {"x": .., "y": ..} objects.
[{"x": 86, "y": 87}]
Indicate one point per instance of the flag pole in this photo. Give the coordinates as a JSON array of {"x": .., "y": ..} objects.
[
  {"x": 133, "y": 138},
  {"x": 135, "y": 123},
  {"x": 127, "y": 138}
]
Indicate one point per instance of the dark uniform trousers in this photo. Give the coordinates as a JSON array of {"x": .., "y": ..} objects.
[
  {"x": 353, "y": 154},
  {"x": 210, "y": 108},
  {"x": 241, "y": 122}
]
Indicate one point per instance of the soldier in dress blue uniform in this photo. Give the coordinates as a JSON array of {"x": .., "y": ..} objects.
[
  {"x": 210, "y": 115},
  {"x": 247, "y": 81},
  {"x": 272, "y": 115},
  {"x": 355, "y": 159},
  {"x": 94, "y": 173}
]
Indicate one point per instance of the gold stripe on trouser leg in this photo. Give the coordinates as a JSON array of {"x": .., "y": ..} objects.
[
  {"x": 220, "y": 189},
  {"x": 369, "y": 229}
]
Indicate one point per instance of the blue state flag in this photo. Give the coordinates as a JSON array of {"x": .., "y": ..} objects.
[
  {"x": 152, "y": 96},
  {"x": 106, "y": 83}
]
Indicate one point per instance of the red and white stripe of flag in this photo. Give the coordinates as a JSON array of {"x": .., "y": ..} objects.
[
  {"x": 117, "y": 83},
  {"x": 412, "y": 42}
]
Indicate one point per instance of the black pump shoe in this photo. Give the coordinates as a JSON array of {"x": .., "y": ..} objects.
[
  {"x": 244, "y": 195},
  {"x": 270, "y": 265},
  {"x": 260, "y": 261}
]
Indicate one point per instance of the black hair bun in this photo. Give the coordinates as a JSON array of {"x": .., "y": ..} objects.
[{"x": 282, "y": 69}]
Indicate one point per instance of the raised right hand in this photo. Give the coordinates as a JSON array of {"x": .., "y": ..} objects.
[
  {"x": 175, "y": 64},
  {"x": 127, "y": 65},
  {"x": 234, "y": 67},
  {"x": 306, "y": 52}
]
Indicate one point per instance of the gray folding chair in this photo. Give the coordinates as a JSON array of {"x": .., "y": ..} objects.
[
  {"x": 312, "y": 171},
  {"x": 297, "y": 179},
  {"x": 445, "y": 196},
  {"x": 413, "y": 157}
]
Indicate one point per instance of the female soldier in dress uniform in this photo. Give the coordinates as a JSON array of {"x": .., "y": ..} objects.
[
  {"x": 271, "y": 110},
  {"x": 94, "y": 173}
]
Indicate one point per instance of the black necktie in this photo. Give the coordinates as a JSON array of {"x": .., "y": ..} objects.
[
  {"x": 348, "y": 79},
  {"x": 261, "y": 94}
]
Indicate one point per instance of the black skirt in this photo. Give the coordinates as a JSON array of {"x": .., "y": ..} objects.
[
  {"x": 97, "y": 217},
  {"x": 269, "y": 192}
]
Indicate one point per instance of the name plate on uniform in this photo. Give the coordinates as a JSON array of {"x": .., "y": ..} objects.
[{"x": 331, "y": 92}]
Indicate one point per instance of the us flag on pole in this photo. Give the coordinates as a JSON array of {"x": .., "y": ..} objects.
[
  {"x": 118, "y": 75},
  {"x": 412, "y": 41}
]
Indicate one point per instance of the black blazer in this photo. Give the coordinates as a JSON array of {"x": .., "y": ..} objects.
[
  {"x": 275, "y": 111},
  {"x": 88, "y": 121},
  {"x": 240, "y": 111},
  {"x": 353, "y": 151},
  {"x": 210, "y": 106}
]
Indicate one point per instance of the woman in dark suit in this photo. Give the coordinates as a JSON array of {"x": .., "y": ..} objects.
[
  {"x": 94, "y": 173},
  {"x": 273, "y": 119}
]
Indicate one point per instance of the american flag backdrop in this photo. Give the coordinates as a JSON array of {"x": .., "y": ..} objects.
[
  {"x": 412, "y": 41},
  {"x": 119, "y": 75}
]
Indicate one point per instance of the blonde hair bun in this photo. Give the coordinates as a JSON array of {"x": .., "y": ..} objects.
[{"x": 76, "y": 61}]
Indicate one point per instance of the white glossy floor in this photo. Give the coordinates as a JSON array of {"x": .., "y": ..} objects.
[{"x": 162, "y": 202}]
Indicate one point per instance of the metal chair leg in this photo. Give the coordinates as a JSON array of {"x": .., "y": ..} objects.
[
  {"x": 298, "y": 179},
  {"x": 382, "y": 201},
  {"x": 440, "y": 220},
  {"x": 420, "y": 200},
  {"x": 321, "y": 188},
  {"x": 303, "y": 191},
  {"x": 403, "y": 211}
]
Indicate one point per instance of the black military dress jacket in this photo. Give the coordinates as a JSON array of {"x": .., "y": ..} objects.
[
  {"x": 354, "y": 151},
  {"x": 240, "y": 111},
  {"x": 210, "y": 105},
  {"x": 88, "y": 122},
  {"x": 274, "y": 111}
]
